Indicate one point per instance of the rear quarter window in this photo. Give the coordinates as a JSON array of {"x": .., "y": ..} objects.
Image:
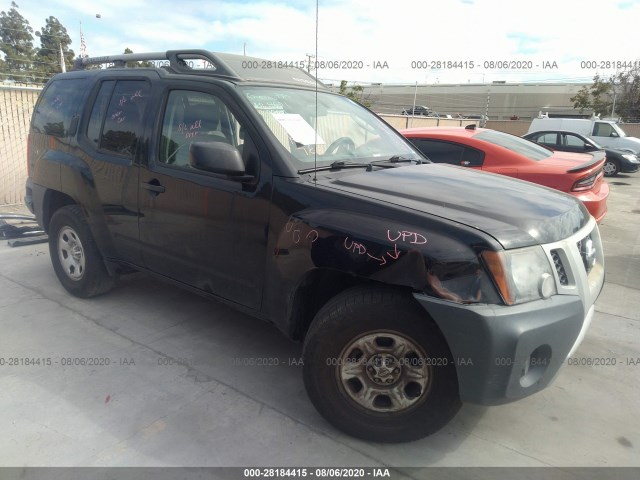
[
  {"x": 516, "y": 144},
  {"x": 57, "y": 106}
]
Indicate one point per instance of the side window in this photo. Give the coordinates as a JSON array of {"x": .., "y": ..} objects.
[
  {"x": 100, "y": 105},
  {"x": 472, "y": 157},
  {"x": 440, "y": 152},
  {"x": 601, "y": 129},
  {"x": 549, "y": 139},
  {"x": 573, "y": 141},
  {"x": 58, "y": 105},
  {"x": 201, "y": 117},
  {"x": 122, "y": 123}
]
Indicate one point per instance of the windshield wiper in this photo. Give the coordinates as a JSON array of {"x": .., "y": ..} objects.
[
  {"x": 395, "y": 159},
  {"x": 337, "y": 165},
  {"x": 340, "y": 164}
]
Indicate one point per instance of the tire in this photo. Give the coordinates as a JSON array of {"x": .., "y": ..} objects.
[
  {"x": 75, "y": 256},
  {"x": 611, "y": 168},
  {"x": 355, "y": 346}
]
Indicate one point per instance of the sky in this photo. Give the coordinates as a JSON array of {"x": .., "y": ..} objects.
[{"x": 371, "y": 41}]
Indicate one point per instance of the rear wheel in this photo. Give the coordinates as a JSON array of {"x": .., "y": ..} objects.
[
  {"x": 376, "y": 367},
  {"x": 611, "y": 168},
  {"x": 75, "y": 256}
]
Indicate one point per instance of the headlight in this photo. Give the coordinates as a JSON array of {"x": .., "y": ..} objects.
[
  {"x": 631, "y": 158},
  {"x": 521, "y": 275}
]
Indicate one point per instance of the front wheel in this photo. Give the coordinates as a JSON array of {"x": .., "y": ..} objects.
[
  {"x": 75, "y": 256},
  {"x": 610, "y": 168},
  {"x": 376, "y": 367}
]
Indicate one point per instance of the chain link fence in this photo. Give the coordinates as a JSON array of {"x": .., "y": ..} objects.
[{"x": 16, "y": 105}]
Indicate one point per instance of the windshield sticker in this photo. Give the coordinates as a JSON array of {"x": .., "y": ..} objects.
[
  {"x": 265, "y": 102},
  {"x": 298, "y": 128}
]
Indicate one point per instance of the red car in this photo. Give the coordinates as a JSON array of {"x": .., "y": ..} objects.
[{"x": 579, "y": 174}]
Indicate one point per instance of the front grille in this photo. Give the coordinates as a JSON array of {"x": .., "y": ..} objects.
[{"x": 562, "y": 274}]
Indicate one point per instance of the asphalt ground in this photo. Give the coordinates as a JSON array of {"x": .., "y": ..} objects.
[{"x": 150, "y": 375}]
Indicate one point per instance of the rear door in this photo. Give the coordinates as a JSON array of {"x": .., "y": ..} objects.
[
  {"x": 199, "y": 228},
  {"x": 111, "y": 139}
]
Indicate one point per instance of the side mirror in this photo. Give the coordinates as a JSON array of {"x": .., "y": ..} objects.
[
  {"x": 218, "y": 157},
  {"x": 614, "y": 134}
]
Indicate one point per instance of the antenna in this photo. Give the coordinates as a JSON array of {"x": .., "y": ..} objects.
[{"x": 315, "y": 149}]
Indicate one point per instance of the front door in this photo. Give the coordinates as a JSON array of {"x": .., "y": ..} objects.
[{"x": 199, "y": 228}]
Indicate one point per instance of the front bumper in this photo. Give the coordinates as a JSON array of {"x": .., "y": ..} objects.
[{"x": 504, "y": 353}]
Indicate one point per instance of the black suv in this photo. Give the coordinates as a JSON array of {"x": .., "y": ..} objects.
[{"x": 413, "y": 285}]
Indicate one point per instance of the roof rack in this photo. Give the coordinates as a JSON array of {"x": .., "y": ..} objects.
[
  {"x": 223, "y": 65},
  {"x": 177, "y": 61}
]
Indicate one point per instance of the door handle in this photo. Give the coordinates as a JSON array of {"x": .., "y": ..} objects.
[{"x": 153, "y": 186}]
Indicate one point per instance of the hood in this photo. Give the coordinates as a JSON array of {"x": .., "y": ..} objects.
[
  {"x": 625, "y": 142},
  {"x": 514, "y": 212}
]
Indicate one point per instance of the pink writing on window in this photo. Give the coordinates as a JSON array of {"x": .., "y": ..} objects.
[
  {"x": 118, "y": 116},
  {"x": 190, "y": 131}
]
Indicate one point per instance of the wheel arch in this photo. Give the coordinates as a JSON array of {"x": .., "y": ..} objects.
[
  {"x": 53, "y": 201},
  {"x": 319, "y": 286}
]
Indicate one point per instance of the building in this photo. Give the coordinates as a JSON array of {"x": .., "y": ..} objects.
[{"x": 498, "y": 100}]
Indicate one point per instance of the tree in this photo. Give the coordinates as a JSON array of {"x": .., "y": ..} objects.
[
  {"x": 355, "y": 93},
  {"x": 17, "y": 46},
  {"x": 619, "y": 94},
  {"x": 598, "y": 97},
  {"x": 137, "y": 64},
  {"x": 53, "y": 37},
  {"x": 628, "y": 95}
]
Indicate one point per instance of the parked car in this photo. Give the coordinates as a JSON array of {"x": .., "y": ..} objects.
[
  {"x": 617, "y": 160},
  {"x": 417, "y": 110},
  {"x": 482, "y": 119},
  {"x": 489, "y": 150},
  {"x": 414, "y": 286},
  {"x": 605, "y": 132}
]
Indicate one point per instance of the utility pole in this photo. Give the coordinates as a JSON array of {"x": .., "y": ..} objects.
[
  {"x": 309, "y": 57},
  {"x": 613, "y": 107},
  {"x": 486, "y": 109},
  {"x": 413, "y": 110}
]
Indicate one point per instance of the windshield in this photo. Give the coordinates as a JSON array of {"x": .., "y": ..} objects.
[
  {"x": 529, "y": 149},
  {"x": 343, "y": 131},
  {"x": 618, "y": 130}
]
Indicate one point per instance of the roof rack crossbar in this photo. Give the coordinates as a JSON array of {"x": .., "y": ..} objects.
[{"x": 176, "y": 60}]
